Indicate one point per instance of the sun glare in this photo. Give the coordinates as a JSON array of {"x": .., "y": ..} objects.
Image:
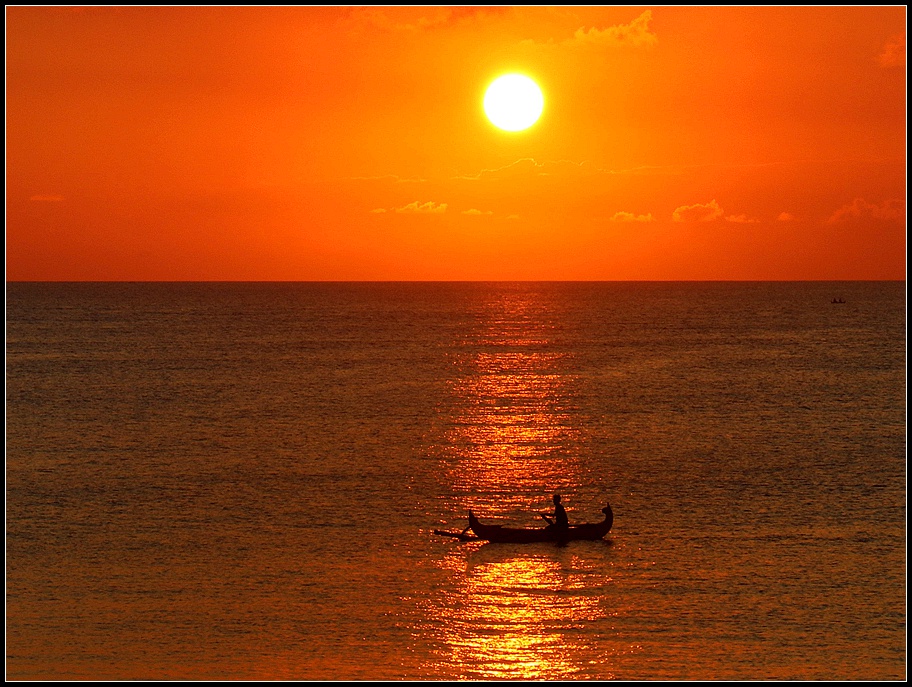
[{"x": 513, "y": 102}]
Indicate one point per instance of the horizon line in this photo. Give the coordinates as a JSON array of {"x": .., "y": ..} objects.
[{"x": 437, "y": 281}]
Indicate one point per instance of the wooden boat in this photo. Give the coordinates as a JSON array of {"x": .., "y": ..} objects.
[{"x": 526, "y": 535}]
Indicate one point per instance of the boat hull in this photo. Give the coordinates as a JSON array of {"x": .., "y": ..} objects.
[{"x": 529, "y": 535}]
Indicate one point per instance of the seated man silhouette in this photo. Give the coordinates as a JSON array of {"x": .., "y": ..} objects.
[{"x": 560, "y": 515}]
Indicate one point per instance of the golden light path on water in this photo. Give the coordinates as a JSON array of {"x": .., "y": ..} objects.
[
  {"x": 515, "y": 612},
  {"x": 512, "y": 429},
  {"x": 520, "y": 616},
  {"x": 514, "y": 433}
]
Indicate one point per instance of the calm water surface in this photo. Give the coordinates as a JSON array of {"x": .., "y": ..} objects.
[{"x": 241, "y": 481}]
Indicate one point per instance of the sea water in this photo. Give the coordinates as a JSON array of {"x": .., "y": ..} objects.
[{"x": 242, "y": 480}]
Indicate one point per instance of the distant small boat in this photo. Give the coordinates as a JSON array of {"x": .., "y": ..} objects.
[{"x": 527, "y": 535}]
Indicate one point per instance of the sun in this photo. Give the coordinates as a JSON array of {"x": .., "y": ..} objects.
[{"x": 513, "y": 102}]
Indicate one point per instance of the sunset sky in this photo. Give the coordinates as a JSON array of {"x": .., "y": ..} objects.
[{"x": 342, "y": 143}]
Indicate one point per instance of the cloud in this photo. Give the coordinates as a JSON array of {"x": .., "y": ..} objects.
[
  {"x": 458, "y": 14},
  {"x": 473, "y": 211},
  {"x": 634, "y": 35},
  {"x": 889, "y": 210},
  {"x": 785, "y": 217},
  {"x": 388, "y": 177},
  {"x": 630, "y": 217},
  {"x": 893, "y": 53},
  {"x": 418, "y": 18},
  {"x": 378, "y": 19},
  {"x": 378, "y": 210},
  {"x": 523, "y": 167},
  {"x": 428, "y": 208},
  {"x": 741, "y": 219},
  {"x": 708, "y": 212},
  {"x": 528, "y": 167},
  {"x": 700, "y": 212},
  {"x": 46, "y": 198}
]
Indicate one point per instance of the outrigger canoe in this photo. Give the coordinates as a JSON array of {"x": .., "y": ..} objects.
[{"x": 526, "y": 535}]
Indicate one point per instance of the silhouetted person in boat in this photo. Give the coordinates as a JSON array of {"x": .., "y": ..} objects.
[{"x": 560, "y": 515}]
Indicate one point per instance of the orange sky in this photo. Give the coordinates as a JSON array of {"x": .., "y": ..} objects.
[{"x": 245, "y": 143}]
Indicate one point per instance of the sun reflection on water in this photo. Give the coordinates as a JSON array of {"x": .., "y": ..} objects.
[
  {"x": 513, "y": 439},
  {"x": 521, "y": 616}
]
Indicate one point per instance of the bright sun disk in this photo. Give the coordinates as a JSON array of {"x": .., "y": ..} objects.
[{"x": 513, "y": 102}]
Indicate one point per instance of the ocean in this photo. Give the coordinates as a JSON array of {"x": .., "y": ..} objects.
[{"x": 242, "y": 481}]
